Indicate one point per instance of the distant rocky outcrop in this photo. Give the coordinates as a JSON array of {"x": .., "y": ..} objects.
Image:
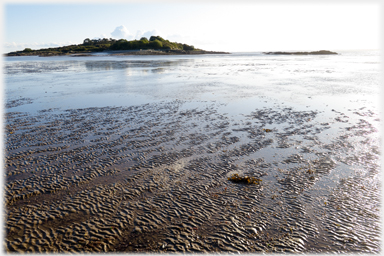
[
  {"x": 156, "y": 45},
  {"x": 321, "y": 52}
]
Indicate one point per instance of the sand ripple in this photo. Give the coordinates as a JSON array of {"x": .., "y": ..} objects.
[{"x": 154, "y": 178}]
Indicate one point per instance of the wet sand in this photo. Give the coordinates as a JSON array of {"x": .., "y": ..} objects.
[{"x": 154, "y": 178}]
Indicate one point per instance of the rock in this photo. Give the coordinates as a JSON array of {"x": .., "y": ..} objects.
[{"x": 321, "y": 52}]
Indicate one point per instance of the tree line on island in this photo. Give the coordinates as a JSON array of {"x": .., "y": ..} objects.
[
  {"x": 156, "y": 43},
  {"x": 105, "y": 44}
]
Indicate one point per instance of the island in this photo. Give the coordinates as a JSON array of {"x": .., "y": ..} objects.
[
  {"x": 156, "y": 45},
  {"x": 321, "y": 52}
]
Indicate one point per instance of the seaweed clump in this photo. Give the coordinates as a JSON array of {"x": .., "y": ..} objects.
[{"x": 245, "y": 179}]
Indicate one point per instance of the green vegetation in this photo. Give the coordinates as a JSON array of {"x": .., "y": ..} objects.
[
  {"x": 99, "y": 45},
  {"x": 154, "y": 42},
  {"x": 245, "y": 179}
]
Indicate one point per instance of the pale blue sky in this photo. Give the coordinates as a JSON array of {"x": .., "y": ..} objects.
[{"x": 244, "y": 26}]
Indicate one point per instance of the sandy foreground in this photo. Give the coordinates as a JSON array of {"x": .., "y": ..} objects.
[{"x": 154, "y": 178}]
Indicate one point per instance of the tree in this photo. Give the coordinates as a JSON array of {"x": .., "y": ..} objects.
[
  {"x": 104, "y": 41},
  {"x": 153, "y": 38},
  {"x": 135, "y": 44},
  {"x": 27, "y": 50},
  {"x": 87, "y": 41},
  {"x": 144, "y": 40},
  {"x": 188, "y": 47},
  {"x": 156, "y": 44},
  {"x": 167, "y": 45},
  {"x": 119, "y": 45}
]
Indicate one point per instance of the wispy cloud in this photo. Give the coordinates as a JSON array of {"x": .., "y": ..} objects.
[{"x": 121, "y": 32}]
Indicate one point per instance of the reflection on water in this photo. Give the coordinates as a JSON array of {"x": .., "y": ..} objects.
[
  {"x": 155, "y": 66},
  {"x": 305, "y": 81},
  {"x": 23, "y": 67},
  {"x": 158, "y": 70}
]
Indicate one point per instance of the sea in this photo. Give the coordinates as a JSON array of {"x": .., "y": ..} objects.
[
  {"x": 244, "y": 80},
  {"x": 322, "y": 114}
]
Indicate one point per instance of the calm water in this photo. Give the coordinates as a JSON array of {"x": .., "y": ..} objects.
[
  {"x": 242, "y": 79},
  {"x": 324, "y": 112}
]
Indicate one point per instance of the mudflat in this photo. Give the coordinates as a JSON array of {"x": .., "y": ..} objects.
[
  {"x": 223, "y": 153},
  {"x": 154, "y": 178}
]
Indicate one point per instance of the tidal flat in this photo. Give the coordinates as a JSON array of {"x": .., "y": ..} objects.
[{"x": 153, "y": 176}]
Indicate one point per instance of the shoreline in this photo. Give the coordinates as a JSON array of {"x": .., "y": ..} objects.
[
  {"x": 321, "y": 52},
  {"x": 119, "y": 53}
]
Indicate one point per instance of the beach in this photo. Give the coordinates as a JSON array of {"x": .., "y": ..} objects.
[{"x": 135, "y": 153}]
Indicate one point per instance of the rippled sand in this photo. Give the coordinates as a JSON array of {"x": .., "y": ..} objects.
[{"x": 154, "y": 178}]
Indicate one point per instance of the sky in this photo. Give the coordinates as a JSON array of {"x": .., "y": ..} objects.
[{"x": 236, "y": 26}]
